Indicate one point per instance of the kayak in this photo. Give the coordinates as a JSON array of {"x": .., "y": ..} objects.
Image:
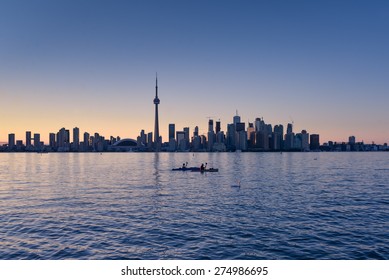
[
  {"x": 207, "y": 170},
  {"x": 186, "y": 169}
]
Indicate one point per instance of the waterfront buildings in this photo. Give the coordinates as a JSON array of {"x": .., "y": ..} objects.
[{"x": 258, "y": 136}]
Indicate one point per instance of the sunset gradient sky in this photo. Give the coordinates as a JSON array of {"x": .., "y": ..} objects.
[{"x": 92, "y": 64}]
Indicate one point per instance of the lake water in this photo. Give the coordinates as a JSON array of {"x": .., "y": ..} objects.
[{"x": 132, "y": 206}]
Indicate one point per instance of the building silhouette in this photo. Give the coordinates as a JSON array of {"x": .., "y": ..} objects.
[{"x": 157, "y": 142}]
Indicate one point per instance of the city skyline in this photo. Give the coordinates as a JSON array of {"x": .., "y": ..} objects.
[{"x": 321, "y": 65}]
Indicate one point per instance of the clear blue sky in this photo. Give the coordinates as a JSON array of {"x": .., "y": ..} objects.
[{"x": 92, "y": 64}]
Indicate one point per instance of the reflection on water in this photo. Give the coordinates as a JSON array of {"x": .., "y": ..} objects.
[{"x": 132, "y": 206}]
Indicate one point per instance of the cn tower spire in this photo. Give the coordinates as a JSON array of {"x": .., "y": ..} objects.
[{"x": 156, "y": 85}]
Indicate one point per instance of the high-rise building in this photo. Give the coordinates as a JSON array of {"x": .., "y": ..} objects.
[
  {"x": 52, "y": 140},
  {"x": 211, "y": 141},
  {"x": 289, "y": 129},
  {"x": 11, "y": 141},
  {"x": 210, "y": 125},
  {"x": 304, "y": 140},
  {"x": 289, "y": 138},
  {"x": 260, "y": 124},
  {"x": 186, "y": 130},
  {"x": 28, "y": 139},
  {"x": 86, "y": 141},
  {"x": 242, "y": 140},
  {"x": 230, "y": 139},
  {"x": 181, "y": 142},
  {"x": 37, "y": 141},
  {"x": 351, "y": 140},
  {"x": 236, "y": 118},
  {"x": 157, "y": 144},
  {"x": 76, "y": 138},
  {"x": 218, "y": 128},
  {"x": 196, "y": 132},
  {"x": 314, "y": 140},
  {"x": 278, "y": 137},
  {"x": 150, "y": 140},
  {"x": 172, "y": 130},
  {"x": 143, "y": 137}
]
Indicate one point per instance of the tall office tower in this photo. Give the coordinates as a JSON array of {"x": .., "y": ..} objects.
[
  {"x": 52, "y": 140},
  {"x": 149, "y": 140},
  {"x": 251, "y": 135},
  {"x": 196, "y": 143},
  {"x": 156, "y": 125},
  {"x": 314, "y": 140},
  {"x": 37, "y": 140},
  {"x": 61, "y": 138},
  {"x": 289, "y": 138},
  {"x": 211, "y": 140},
  {"x": 86, "y": 141},
  {"x": 143, "y": 137},
  {"x": 218, "y": 127},
  {"x": 236, "y": 118},
  {"x": 242, "y": 140},
  {"x": 186, "y": 130},
  {"x": 304, "y": 140},
  {"x": 172, "y": 130},
  {"x": 67, "y": 137},
  {"x": 220, "y": 137},
  {"x": 181, "y": 142},
  {"x": 11, "y": 140},
  {"x": 351, "y": 140},
  {"x": 210, "y": 125},
  {"x": 28, "y": 139},
  {"x": 230, "y": 139},
  {"x": 289, "y": 128},
  {"x": 95, "y": 141},
  {"x": 278, "y": 137},
  {"x": 279, "y": 129},
  {"x": 260, "y": 124},
  {"x": 196, "y": 132},
  {"x": 76, "y": 138}
]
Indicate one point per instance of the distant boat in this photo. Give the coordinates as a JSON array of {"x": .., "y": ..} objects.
[
  {"x": 186, "y": 169},
  {"x": 207, "y": 170}
]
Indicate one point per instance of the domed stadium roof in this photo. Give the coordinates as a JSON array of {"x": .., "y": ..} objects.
[{"x": 127, "y": 142}]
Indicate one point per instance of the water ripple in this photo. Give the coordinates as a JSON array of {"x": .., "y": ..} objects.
[{"x": 288, "y": 206}]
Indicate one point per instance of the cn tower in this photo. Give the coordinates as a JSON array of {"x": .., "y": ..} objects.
[{"x": 156, "y": 125}]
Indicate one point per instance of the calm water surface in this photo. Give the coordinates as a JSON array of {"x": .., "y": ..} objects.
[{"x": 132, "y": 206}]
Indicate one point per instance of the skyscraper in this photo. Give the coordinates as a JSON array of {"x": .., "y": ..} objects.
[
  {"x": 86, "y": 141},
  {"x": 218, "y": 128},
  {"x": 11, "y": 140},
  {"x": 28, "y": 139},
  {"x": 156, "y": 125},
  {"x": 314, "y": 142},
  {"x": 76, "y": 139},
  {"x": 37, "y": 141},
  {"x": 172, "y": 130},
  {"x": 236, "y": 118},
  {"x": 210, "y": 125}
]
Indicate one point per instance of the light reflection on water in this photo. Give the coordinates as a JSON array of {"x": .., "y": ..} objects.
[{"x": 132, "y": 206}]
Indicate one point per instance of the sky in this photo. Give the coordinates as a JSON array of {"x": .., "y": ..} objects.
[{"x": 323, "y": 65}]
